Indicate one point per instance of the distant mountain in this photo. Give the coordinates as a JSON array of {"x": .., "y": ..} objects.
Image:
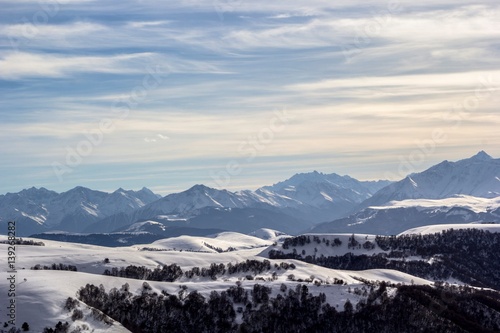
[
  {"x": 291, "y": 206},
  {"x": 398, "y": 216},
  {"x": 199, "y": 196},
  {"x": 37, "y": 210},
  {"x": 320, "y": 197},
  {"x": 477, "y": 176},
  {"x": 178, "y": 208},
  {"x": 204, "y": 207}
]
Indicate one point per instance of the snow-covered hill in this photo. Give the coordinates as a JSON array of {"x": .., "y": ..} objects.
[
  {"x": 269, "y": 234},
  {"x": 41, "y": 294},
  {"x": 222, "y": 242},
  {"x": 331, "y": 245},
  {"x": 436, "y": 228}
]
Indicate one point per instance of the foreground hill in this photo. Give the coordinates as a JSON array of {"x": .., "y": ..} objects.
[
  {"x": 223, "y": 283},
  {"x": 468, "y": 254},
  {"x": 61, "y": 269}
]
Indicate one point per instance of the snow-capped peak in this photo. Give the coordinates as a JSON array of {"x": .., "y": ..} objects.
[{"x": 476, "y": 176}]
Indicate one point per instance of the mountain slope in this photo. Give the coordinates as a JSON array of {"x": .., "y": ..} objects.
[
  {"x": 397, "y": 216},
  {"x": 477, "y": 176},
  {"x": 291, "y": 206},
  {"x": 37, "y": 210},
  {"x": 320, "y": 197}
]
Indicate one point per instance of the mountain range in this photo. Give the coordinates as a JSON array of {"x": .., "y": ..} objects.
[
  {"x": 449, "y": 192},
  {"x": 318, "y": 197},
  {"x": 306, "y": 201}
]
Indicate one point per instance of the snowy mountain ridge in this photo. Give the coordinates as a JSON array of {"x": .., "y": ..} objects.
[
  {"x": 397, "y": 216},
  {"x": 303, "y": 200},
  {"x": 37, "y": 208},
  {"x": 477, "y": 176}
]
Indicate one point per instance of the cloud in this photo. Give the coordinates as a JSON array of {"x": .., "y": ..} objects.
[
  {"x": 467, "y": 23},
  {"x": 18, "y": 65},
  {"x": 146, "y": 24},
  {"x": 445, "y": 81},
  {"x": 54, "y": 32},
  {"x": 156, "y": 138},
  {"x": 225, "y": 75}
]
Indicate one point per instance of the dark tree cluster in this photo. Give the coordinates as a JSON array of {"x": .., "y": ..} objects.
[
  {"x": 20, "y": 241},
  {"x": 412, "y": 309},
  {"x": 353, "y": 243},
  {"x": 447, "y": 242},
  {"x": 59, "y": 328},
  {"x": 468, "y": 255},
  {"x": 155, "y": 249},
  {"x": 168, "y": 273},
  {"x": 173, "y": 272},
  {"x": 218, "y": 249},
  {"x": 55, "y": 267},
  {"x": 302, "y": 240}
]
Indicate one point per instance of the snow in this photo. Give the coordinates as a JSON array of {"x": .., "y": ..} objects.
[
  {"x": 90, "y": 210},
  {"x": 50, "y": 208},
  {"x": 171, "y": 218},
  {"x": 137, "y": 227},
  {"x": 224, "y": 241},
  {"x": 326, "y": 196},
  {"x": 317, "y": 189},
  {"x": 475, "y": 204},
  {"x": 37, "y": 219},
  {"x": 40, "y": 299},
  {"x": 475, "y": 176},
  {"x": 432, "y": 229},
  {"x": 413, "y": 182},
  {"x": 269, "y": 234}
]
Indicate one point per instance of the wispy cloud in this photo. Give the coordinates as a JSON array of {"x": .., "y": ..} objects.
[
  {"x": 364, "y": 82},
  {"x": 18, "y": 65}
]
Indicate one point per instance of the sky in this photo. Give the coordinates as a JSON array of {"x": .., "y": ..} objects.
[{"x": 241, "y": 94}]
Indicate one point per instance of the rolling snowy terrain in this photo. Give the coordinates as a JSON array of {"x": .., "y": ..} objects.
[{"x": 41, "y": 294}]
